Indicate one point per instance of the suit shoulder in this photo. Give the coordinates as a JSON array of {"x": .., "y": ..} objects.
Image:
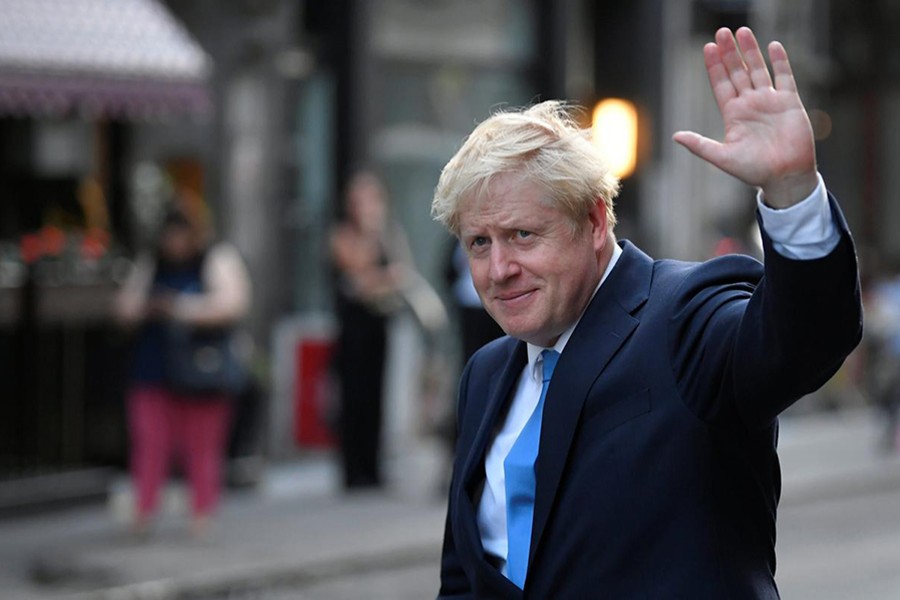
[
  {"x": 488, "y": 359},
  {"x": 493, "y": 355},
  {"x": 686, "y": 279}
]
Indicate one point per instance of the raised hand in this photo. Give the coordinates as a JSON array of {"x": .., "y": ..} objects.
[{"x": 768, "y": 137}]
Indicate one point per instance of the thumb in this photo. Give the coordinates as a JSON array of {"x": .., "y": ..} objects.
[{"x": 709, "y": 150}]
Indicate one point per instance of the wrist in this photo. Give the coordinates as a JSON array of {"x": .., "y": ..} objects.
[{"x": 790, "y": 190}]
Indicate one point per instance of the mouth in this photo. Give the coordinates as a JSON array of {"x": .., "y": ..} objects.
[{"x": 514, "y": 297}]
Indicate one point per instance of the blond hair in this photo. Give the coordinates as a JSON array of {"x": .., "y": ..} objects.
[{"x": 545, "y": 145}]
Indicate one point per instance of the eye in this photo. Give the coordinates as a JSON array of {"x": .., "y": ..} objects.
[
  {"x": 478, "y": 245},
  {"x": 523, "y": 235}
]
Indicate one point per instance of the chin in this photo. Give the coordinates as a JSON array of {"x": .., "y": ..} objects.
[{"x": 533, "y": 333}]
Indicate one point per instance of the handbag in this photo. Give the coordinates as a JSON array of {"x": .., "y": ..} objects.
[{"x": 203, "y": 361}]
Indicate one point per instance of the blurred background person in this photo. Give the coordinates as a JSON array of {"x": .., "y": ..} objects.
[
  {"x": 371, "y": 259},
  {"x": 477, "y": 327},
  {"x": 883, "y": 346},
  {"x": 189, "y": 284}
]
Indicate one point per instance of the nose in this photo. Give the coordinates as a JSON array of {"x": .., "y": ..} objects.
[{"x": 503, "y": 263}]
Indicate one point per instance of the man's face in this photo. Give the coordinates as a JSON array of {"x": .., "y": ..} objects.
[{"x": 534, "y": 275}]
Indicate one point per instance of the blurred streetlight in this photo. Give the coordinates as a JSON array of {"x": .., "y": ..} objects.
[
  {"x": 615, "y": 134},
  {"x": 821, "y": 124}
]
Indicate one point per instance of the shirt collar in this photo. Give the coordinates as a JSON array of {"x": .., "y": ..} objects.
[{"x": 534, "y": 351}]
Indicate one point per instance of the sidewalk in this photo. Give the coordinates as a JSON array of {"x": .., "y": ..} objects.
[
  {"x": 297, "y": 529},
  {"x": 834, "y": 454}
]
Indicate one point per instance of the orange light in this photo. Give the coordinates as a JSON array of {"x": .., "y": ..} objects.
[{"x": 615, "y": 135}]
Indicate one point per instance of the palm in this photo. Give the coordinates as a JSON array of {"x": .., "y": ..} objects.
[
  {"x": 768, "y": 139},
  {"x": 767, "y": 133}
]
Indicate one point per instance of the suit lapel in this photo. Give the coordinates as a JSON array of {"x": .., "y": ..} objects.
[
  {"x": 498, "y": 391},
  {"x": 498, "y": 395},
  {"x": 605, "y": 326}
]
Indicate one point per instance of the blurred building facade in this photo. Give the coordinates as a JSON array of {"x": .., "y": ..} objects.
[
  {"x": 288, "y": 97},
  {"x": 97, "y": 101}
]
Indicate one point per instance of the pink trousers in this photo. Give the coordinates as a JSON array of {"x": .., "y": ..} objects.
[{"x": 163, "y": 427}]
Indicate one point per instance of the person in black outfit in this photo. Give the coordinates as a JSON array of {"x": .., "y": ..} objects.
[{"x": 369, "y": 255}]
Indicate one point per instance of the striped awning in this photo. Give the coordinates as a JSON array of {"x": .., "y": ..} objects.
[{"x": 99, "y": 58}]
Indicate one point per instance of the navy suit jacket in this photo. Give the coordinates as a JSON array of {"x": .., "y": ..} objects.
[{"x": 657, "y": 475}]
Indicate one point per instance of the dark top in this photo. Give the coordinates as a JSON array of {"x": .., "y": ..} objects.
[{"x": 149, "y": 360}]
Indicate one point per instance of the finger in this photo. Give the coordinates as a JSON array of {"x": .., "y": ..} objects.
[
  {"x": 709, "y": 150},
  {"x": 731, "y": 58},
  {"x": 759, "y": 72},
  {"x": 784, "y": 75},
  {"x": 722, "y": 88}
]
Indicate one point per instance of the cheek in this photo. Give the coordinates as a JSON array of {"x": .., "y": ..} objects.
[
  {"x": 569, "y": 276},
  {"x": 479, "y": 271}
]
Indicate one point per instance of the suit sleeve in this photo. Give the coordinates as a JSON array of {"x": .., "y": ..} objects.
[
  {"x": 454, "y": 582},
  {"x": 749, "y": 341}
]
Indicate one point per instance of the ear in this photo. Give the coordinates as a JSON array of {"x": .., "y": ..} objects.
[{"x": 599, "y": 225}]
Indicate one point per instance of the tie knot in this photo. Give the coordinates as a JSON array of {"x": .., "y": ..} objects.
[{"x": 550, "y": 358}]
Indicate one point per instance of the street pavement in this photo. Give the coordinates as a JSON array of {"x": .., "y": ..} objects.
[
  {"x": 297, "y": 536},
  {"x": 842, "y": 548}
]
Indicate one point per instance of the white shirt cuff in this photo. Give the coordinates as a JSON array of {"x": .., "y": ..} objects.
[{"x": 804, "y": 231}]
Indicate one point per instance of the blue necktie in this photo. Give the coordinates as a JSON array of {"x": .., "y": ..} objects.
[{"x": 520, "y": 482}]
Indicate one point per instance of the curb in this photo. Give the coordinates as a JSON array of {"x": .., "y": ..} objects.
[{"x": 211, "y": 585}]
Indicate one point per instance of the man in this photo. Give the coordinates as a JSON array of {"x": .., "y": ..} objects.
[{"x": 620, "y": 441}]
